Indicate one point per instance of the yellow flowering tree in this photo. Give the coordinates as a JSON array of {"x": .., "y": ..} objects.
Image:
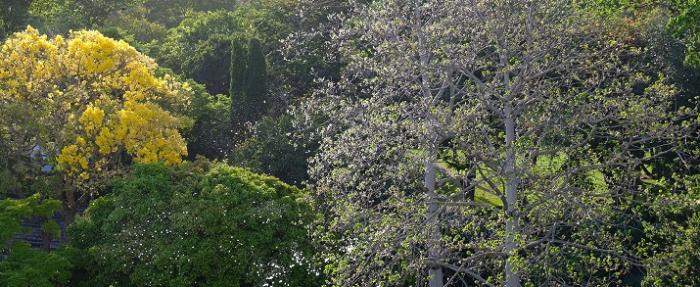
[{"x": 99, "y": 102}]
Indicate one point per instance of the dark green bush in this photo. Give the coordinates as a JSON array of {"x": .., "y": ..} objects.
[{"x": 197, "y": 226}]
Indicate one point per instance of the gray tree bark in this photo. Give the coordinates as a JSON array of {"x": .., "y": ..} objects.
[
  {"x": 435, "y": 271},
  {"x": 512, "y": 277}
]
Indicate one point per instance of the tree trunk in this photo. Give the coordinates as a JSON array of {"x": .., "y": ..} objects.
[
  {"x": 512, "y": 277},
  {"x": 45, "y": 240},
  {"x": 435, "y": 272},
  {"x": 69, "y": 206}
]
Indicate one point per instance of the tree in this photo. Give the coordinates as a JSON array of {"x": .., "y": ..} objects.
[
  {"x": 199, "y": 48},
  {"x": 210, "y": 135},
  {"x": 61, "y": 16},
  {"x": 249, "y": 94},
  {"x": 501, "y": 99},
  {"x": 255, "y": 87},
  {"x": 307, "y": 50},
  {"x": 668, "y": 211},
  {"x": 96, "y": 102},
  {"x": 14, "y": 211},
  {"x": 276, "y": 148},
  {"x": 13, "y": 15},
  {"x": 682, "y": 19},
  {"x": 686, "y": 25},
  {"x": 200, "y": 224},
  {"x": 25, "y": 266},
  {"x": 170, "y": 13},
  {"x": 239, "y": 66}
]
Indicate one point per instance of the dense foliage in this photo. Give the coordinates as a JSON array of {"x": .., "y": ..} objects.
[
  {"x": 408, "y": 143},
  {"x": 93, "y": 98},
  {"x": 25, "y": 266},
  {"x": 196, "y": 225}
]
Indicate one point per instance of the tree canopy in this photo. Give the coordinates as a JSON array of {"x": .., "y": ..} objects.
[
  {"x": 339, "y": 143},
  {"x": 94, "y": 98},
  {"x": 249, "y": 230}
]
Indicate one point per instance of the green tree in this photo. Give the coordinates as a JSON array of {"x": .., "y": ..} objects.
[
  {"x": 255, "y": 87},
  {"x": 14, "y": 15},
  {"x": 276, "y": 148},
  {"x": 249, "y": 94},
  {"x": 238, "y": 71},
  {"x": 682, "y": 19},
  {"x": 170, "y": 13},
  {"x": 210, "y": 135},
  {"x": 197, "y": 225},
  {"x": 25, "y": 266},
  {"x": 199, "y": 48},
  {"x": 516, "y": 91},
  {"x": 254, "y": 93},
  {"x": 686, "y": 26},
  {"x": 61, "y": 16},
  {"x": 668, "y": 230}
]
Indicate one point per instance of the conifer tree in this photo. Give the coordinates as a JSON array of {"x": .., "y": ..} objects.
[
  {"x": 238, "y": 70},
  {"x": 255, "y": 81},
  {"x": 248, "y": 82}
]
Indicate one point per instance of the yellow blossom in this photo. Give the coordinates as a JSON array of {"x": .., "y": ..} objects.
[{"x": 98, "y": 96}]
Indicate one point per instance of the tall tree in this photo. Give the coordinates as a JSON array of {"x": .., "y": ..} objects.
[
  {"x": 249, "y": 95},
  {"x": 255, "y": 85},
  {"x": 518, "y": 91},
  {"x": 239, "y": 66},
  {"x": 96, "y": 105}
]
